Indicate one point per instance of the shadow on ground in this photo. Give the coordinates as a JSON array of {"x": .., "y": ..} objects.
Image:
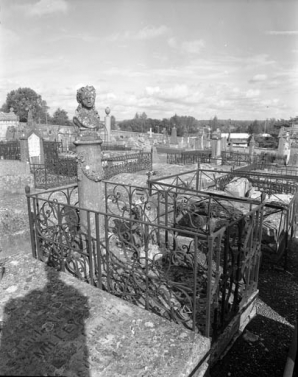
[
  {"x": 43, "y": 333},
  {"x": 273, "y": 324},
  {"x": 264, "y": 357}
]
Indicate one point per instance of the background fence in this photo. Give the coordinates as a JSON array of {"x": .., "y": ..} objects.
[
  {"x": 10, "y": 150},
  {"x": 63, "y": 171}
]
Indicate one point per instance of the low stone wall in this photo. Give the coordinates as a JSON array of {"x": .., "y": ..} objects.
[{"x": 14, "y": 225}]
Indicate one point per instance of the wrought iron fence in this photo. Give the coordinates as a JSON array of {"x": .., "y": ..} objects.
[
  {"x": 188, "y": 157},
  {"x": 264, "y": 182},
  {"x": 51, "y": 151},
  {"x": 290, "y": 170},
  {"x": 193, "y": 259},
  {"x": 54, "y": 175},
  {"x": 114, "y": 147},
  {"x": 129, "y": 163},
  {"x": 10, "y": 150},
  {"x": 237, "y": 158},
  {"x": 276, "y": 231},
  {"x": 63, "y": 171}
]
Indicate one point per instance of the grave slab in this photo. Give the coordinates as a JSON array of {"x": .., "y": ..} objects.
[{"x": 54, "y": 324}]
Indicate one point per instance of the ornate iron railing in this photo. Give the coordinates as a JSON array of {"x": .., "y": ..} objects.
[
  {"x": 63, "y": 171},
  {"x": 276, "y": 232},
  {"x": 114, "y": 147},
  {"x": 129, "y": 163},
  {"x": 188, "y": 157},
  {"x": 191, "y": 258},
  {"x": 10, "y": 150},
  {"x": 237, "y": 158},
  {"x": 277, "y": 169},
  {"x": 264, "y": 182},
  {"x": 51, "y": 151},
  {"x": 59, "y": 173}
]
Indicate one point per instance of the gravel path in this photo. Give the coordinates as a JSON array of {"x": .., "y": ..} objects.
[{"x": 263, "y": 347}]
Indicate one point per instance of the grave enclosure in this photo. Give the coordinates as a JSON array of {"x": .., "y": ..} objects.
[{"x": 182, "y": 248}]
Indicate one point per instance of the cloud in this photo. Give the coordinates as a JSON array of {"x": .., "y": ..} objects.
[
  {"x": 191, "y": 47},
  {"x": 251, "y": 93},
  {"x": 282, "y": 32},
  {"x": 8, "y": 37},
  {"x": 43, "y": 7},
  {"x": 258, "y": 78},
  {"x": 177, "y": 92},
  {"x": 148, "y": 32}
]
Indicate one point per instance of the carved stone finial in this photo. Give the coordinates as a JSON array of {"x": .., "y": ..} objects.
[{"x": 107, "y": 110}]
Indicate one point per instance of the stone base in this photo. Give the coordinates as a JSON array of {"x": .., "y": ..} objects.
[
  {"x": 216, "y": 161},
  {"x": 226, "y": 340},
  {"x": 75, "y": 329}
]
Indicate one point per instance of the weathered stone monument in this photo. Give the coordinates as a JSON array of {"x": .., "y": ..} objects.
[
  {"x": 108, "y": 124},
  {"x": 88, "y": 146},
  {"x": 252, "y": 148},
  {"x": 207, "y": 138},
  {"x": 174, "y": 139},
  {"x": 216, "y": 147},
  {"x": 284, "y": 144}
]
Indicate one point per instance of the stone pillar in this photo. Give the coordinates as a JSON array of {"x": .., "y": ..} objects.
[
  {"x": 213, "y": 148},
  {"x": 174, "y": 139},
  {"x": 287, "y": 147},
  {"x": 224, "y": 143},
  {"x": 216, "y": 147},
  {"x": 218, "y": 144},
  {"x": 90, "y": 176},
  {"x": 108, "y": 123},
  {"x": 24, "y": 149},
  {"x": 201, "y": 141},
  {"x": 41, "y": 157},
  {"x": 252, "y": 148}
]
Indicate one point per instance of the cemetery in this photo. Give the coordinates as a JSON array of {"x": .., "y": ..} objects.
[{"x": 154, "y": 246}]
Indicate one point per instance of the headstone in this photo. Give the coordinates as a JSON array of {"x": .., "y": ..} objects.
[
  {"x": 201, "y": 141},
  {"x": 24, "y": 149},
  {"x": 35, "y": 148},
  {"x": 155, "y": 157},
  {"x": 174, "y": 139}
]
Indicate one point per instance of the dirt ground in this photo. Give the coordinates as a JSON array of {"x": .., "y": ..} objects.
[{"x": 263, "y": 347}]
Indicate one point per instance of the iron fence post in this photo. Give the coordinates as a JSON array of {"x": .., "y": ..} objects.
[{"x": 31, "y": 222}]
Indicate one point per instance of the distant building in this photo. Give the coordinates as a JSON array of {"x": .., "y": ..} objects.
[
  {"x": 238, "y": 139},
  {"x": 7, "y": 120}
]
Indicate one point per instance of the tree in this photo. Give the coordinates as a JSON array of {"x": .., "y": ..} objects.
[
  {"x": 255, "y": 128},
  {"x": 23, "y": 99},
  {"x": 60, "y": 117}
]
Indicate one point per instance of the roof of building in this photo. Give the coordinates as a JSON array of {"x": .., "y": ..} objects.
[
  {"x": 234, "y": 135},
  {"x": 8, "y": 116}
]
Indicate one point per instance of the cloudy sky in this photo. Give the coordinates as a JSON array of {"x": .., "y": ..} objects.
[{"x": 235, "y": 59}]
